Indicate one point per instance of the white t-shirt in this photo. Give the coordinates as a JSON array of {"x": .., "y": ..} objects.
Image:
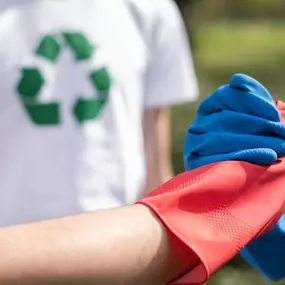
[{"x": 76, "y": 77}]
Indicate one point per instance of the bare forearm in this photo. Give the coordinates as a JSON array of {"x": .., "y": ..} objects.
[
  {"x": 157, "y": 147},
  {"x": 121, "y": 246}
]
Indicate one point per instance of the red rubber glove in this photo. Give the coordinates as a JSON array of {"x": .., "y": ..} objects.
[{"x": 218, "y": 209}]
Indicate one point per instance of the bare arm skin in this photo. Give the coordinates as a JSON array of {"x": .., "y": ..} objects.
[
  {"x": 92, "y": 248},
  {"x": 157, "y": 147}
]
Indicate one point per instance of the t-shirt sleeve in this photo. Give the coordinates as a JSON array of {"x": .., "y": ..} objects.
[{"x": 170, "y": 76}]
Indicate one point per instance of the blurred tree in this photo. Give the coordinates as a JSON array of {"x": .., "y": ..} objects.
[
  {"x": 255, "y": 9},
  {"x": 197, "y": 11},
  {"x": 187, "y": 8}
]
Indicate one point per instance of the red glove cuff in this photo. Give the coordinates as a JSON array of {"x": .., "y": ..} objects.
[{"x": 217, "y": 209}]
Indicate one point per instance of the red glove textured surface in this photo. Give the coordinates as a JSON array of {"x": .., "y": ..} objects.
[{"x": 218, "y": 209}]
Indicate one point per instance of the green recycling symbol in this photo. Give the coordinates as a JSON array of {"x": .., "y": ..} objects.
[{"x": 32, "y": 81}]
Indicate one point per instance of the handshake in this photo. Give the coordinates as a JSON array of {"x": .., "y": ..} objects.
[
  {"x": 230, "y": 200},
  {"x": 234, "y": 195},
  {"x": 241, "y": 121}
]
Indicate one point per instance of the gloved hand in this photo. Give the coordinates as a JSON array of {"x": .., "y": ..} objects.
[
  {"x": 238, "y": 121},
  {"x": 219, "y": 208},
  {"x": 241, "y": 122}
]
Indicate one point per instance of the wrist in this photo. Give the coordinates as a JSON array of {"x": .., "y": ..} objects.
[{"x": 177, "y": 257}]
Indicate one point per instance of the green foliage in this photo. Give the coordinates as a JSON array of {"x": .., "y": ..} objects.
[{"x": 205, "y": 10}]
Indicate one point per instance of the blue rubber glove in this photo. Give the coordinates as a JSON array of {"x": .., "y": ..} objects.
[{"x": 240, "y": 121}]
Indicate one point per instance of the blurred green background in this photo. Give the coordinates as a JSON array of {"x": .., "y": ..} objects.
[{"x": 227, "y": 37}]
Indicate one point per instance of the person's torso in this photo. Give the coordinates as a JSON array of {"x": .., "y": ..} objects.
[{"x": 71, "y": 105}]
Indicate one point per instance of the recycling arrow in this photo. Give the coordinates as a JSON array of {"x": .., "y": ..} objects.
[{"x": 32, "y": 81}]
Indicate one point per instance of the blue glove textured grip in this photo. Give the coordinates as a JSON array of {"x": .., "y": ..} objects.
[{"x": 240, "y": 121}]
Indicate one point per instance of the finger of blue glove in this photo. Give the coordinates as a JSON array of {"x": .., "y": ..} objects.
[
  {"x": 223, "y": 143},
  {"x": 234, "y": 122},
  {"x": 260, "y": 156},
  {"x": 241, "y": 101},
  {"x": 247, "y": 83}
]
